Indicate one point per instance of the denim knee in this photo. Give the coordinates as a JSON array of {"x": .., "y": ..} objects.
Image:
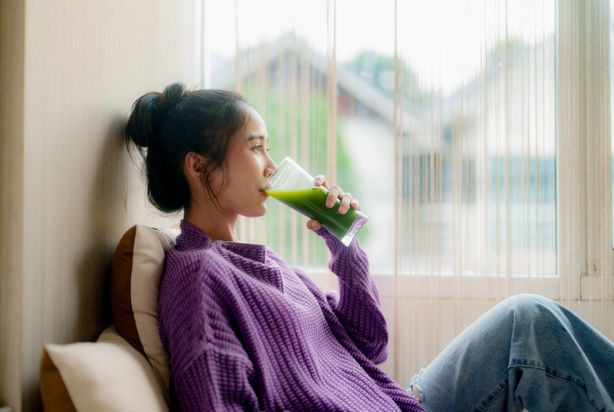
[
  {"x": 525, "y": 313},
  {"x": 526, "y": 303}
]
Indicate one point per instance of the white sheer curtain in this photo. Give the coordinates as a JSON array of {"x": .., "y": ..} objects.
[{"x": 475, "y": 133}]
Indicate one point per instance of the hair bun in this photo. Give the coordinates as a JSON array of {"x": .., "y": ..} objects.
[
  {"x": 170, "y": 98},
  {"x": 149, "y": 111}
]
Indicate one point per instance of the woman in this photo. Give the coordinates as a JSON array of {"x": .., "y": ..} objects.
[{"x": 244, "y": 331}]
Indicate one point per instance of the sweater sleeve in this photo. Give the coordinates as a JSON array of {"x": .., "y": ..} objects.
[
  {"x": 215, "y": 381},
  {"x": 357, "y": 306},
  {"x": 211, "y": 370}
]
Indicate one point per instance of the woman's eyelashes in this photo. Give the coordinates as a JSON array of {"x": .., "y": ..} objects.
[{"x": 260, "y": 148}]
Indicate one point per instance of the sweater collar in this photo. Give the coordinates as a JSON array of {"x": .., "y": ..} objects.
[{"x": 192, "y": 237}]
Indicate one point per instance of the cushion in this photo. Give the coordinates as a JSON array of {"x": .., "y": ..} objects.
[
  {"x": 137, "y": 266},
  {"x": 107, "y": 375},
  {"x": 54, "y": 394}
]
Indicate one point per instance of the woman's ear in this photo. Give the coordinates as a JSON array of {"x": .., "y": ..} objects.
[{"x": 193, "y": 165}]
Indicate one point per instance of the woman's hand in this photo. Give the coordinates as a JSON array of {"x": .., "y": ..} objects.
[{"x": 334, "y": 193}]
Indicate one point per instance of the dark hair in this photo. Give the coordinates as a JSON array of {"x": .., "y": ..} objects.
[{"x": 178, "y": 121}]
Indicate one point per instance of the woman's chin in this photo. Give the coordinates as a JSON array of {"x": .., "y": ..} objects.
[{"x": 258, "y": 212}]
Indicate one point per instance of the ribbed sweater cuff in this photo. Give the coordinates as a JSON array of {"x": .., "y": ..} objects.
[{"x": 349, "y": 263}]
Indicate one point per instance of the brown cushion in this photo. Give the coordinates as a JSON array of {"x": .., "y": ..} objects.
[
  {"x": 121, "y": 302},
  {"x": 137, "y": 267},
  {"x": 54, "y": 395}
]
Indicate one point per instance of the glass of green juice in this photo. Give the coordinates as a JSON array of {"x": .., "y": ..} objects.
[{"x": 295, "y": 188}]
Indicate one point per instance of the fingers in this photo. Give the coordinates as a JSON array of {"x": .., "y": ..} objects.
[
  {"x": 313, "y": 224},
  {"x": 345, "y": 203},
  {"x": 320, "y": 180},
  {"x": 334, "y": 193}
]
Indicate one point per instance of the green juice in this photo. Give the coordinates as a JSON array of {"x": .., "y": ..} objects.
[{"x": 311, "y": 203}]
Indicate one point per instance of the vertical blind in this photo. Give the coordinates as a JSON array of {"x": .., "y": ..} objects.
[{"x": 475, "y": 133}]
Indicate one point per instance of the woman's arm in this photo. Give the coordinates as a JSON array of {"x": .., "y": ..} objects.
[
  {"x": 215, "y": 381},
  {"x": 210, "y": 368},
  {"x": 357, "y": 306}
]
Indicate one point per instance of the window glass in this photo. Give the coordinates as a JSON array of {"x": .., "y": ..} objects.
[{"x": 474, "y": 94}]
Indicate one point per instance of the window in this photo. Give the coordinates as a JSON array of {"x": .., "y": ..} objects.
[{"x": 454, "y": 129}]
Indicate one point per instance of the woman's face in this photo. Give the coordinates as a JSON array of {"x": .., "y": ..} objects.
[{"x": 246, "y": 170}]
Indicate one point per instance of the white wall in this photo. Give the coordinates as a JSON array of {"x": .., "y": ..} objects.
[
  {"x": 70, "y": 71},
  {"x": 12, "y": 37}
]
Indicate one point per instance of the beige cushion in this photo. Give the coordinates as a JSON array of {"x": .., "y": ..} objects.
[
  {"x": 107, "y": 375},
  {"x": 137, "y": 266}
]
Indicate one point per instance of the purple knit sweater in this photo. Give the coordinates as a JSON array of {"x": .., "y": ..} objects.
[{"x": 244, "y": 331}]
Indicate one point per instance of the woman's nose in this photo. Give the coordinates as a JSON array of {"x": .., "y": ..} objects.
[
  {"x": 270, "y": 171},
  {"x": 271, "y": 168}
]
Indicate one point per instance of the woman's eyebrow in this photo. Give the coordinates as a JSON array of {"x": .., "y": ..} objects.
[{"x": 255, "y": 136}]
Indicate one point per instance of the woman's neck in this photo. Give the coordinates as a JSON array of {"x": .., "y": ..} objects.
[{"x": 215, "y": 225}]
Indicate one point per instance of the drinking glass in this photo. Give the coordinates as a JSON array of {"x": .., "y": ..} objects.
[{"x": 294, "y": 187}]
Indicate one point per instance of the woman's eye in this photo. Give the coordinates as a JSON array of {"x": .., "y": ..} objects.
[{"x": 259, "y": 148}]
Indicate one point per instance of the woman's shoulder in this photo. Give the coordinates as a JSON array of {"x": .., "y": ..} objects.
[
  {"x": 191, "y": 276},
  {"x": 193, "y": 262}
]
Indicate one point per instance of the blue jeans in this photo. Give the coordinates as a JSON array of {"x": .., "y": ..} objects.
[{"x": 527, "y": 352}]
